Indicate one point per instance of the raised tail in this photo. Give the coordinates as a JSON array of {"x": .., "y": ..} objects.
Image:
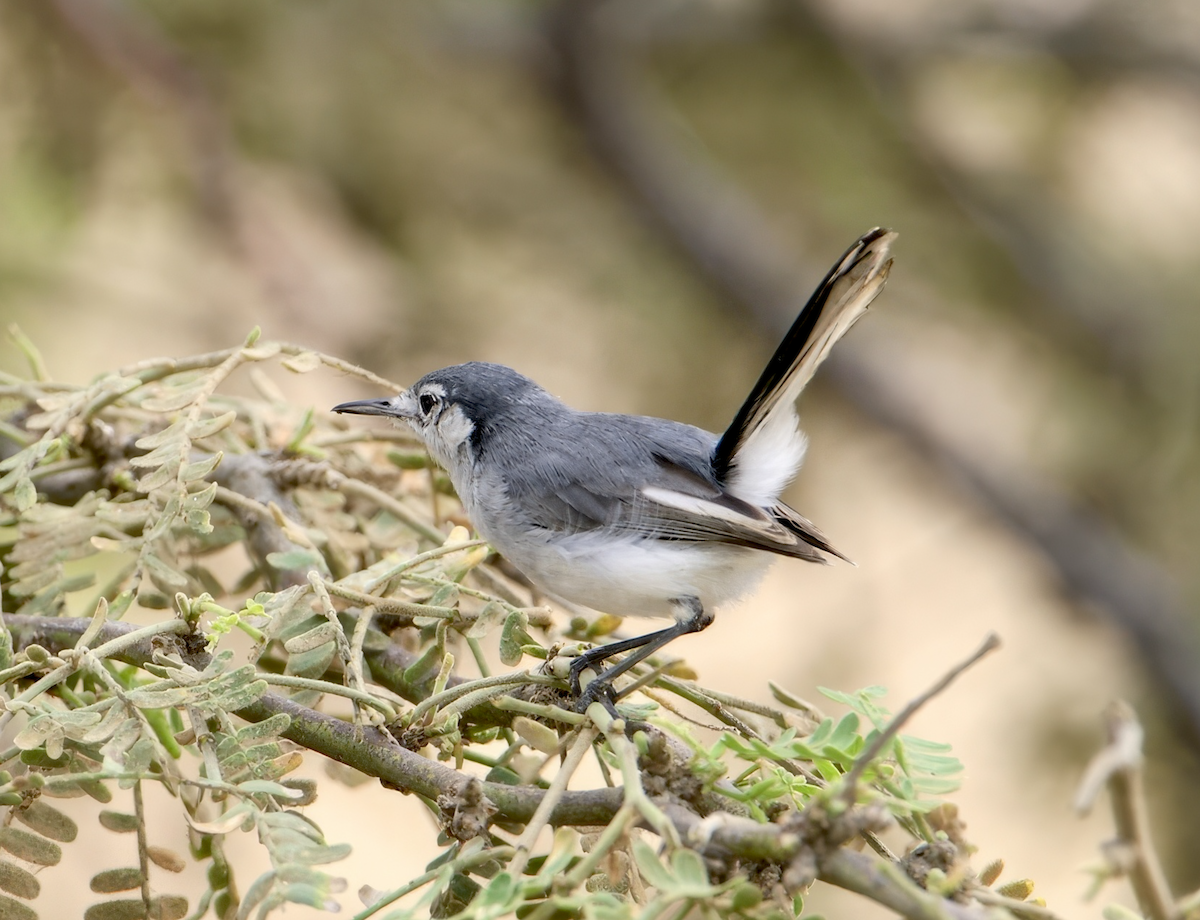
[{"x": 761, "y": 450}]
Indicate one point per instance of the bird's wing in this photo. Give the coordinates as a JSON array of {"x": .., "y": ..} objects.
[
  {"x": 761, "y": 450},
  {"x": 628, "y": 478}
]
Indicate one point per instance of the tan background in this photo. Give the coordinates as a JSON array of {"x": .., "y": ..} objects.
[{"x": 407, "y": 193}]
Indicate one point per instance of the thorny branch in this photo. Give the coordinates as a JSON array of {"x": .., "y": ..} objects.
[{"x": 721, "y": 835}]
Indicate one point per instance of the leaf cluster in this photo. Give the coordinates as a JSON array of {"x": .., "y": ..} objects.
[{"x": 133, "y": 656}]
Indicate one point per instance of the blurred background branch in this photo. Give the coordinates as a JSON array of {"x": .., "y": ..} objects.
[
  {"x": 625, "y": 200},
  {"x": 721, "y": 231}
]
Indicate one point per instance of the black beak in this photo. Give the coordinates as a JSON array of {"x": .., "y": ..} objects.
[{"x": 384, "y": 406}]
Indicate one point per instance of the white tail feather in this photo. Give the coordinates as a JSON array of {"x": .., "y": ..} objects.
[{"x": 767, "y": 446}]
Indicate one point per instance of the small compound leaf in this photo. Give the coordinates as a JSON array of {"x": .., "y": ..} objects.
[
  {"x": 15, "y": 910},
  {"x": 206, "y": 428},
  {"x": 237, "y": 698},
  {"x": 653, "y": 871},
  {"x": 18, "y": 881},
  {"x": 48, "y": 821},
  {"x": 307, "y": 641},
  {"x": 312, "y": 663},
  {"x": 424, "y": 667},
  {"x": 118, "y": 821},
  {"x": 166, "y": 859},
  {"x": 164, "y": 576},
  {"x": 24, "y": 497},
  {"x": 691, "y": 873},
  {"x": 489, "y": 618},
  {"x": 156, "y": 480},
  {"x": 157, "y": 696},
  {"x": 30, "y": 847},
  {"x": 198, "y": 469},
  {"x": 513, "y": 637},
  {"x": 112, "y": 880},
  {"x": 302, "y": 363},
  {"x": 261, "y": 352},
  {"x": 268, "y": 728},
  {"x": 169, "y": 907},
  {"x": 223, "y": 824},
  {"x": 266, "y": 787}
]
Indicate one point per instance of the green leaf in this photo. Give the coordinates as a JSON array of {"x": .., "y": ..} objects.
[
  {"x": 296, "y": 559},
  {"x": 168, "y": 454},
  {"x": 302, "y": 363},
  {"x": 653, "y": 871},
  {"x": 513, "y": 637},
  {"x": 206, "y": 428},
  {"x": 846, "y": 732},
  {"x": 426, "y": 665},
  {"x": 157, "y": 696},
  {"x": 198, "y": 469},
  {"x": 689, "y": 869},
  {"x": 174, "y": 433},
  {"x": 312, "y": 663},
  {"x": 32, "y": 848},
  {"x": 18, "y": 881},
  {"x": 265, "y": 787},
  {"x": 238, "y": 698},
  {"x": 488, "y": 619},
  {"x": 119, "y": 822},
  {"x": 112, "y": 880},
  {"x": 25, "y": 494},
  {"x": 323, "y": 632},
  {"x": 15, "y": 910},
  {"x": 47, "y": 821}
]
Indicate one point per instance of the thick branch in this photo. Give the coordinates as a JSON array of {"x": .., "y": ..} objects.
[
  {"x": 376, "y": 753},
  {"x": 248, "y": 475}
]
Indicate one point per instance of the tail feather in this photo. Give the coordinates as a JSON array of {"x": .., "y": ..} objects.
[{"x": 761, "y": 450}]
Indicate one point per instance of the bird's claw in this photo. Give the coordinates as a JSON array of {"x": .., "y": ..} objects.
[{"x": 598, "y": 691}]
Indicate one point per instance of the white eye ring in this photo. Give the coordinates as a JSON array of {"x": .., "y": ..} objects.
[{"x": 427, "y": 402}]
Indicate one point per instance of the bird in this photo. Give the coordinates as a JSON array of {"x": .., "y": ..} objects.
[{"x": 632, "y": 515}]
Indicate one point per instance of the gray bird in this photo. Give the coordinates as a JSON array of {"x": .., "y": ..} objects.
[{"x": 631, "y": 515}]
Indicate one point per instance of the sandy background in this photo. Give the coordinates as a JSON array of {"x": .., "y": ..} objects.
[{"x": 407, "y": 193}]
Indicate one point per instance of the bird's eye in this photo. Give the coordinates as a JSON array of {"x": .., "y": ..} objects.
[{"x": 427, "y": 401}]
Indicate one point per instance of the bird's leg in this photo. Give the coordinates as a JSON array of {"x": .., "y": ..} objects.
[{"x": 695, "y": 619}]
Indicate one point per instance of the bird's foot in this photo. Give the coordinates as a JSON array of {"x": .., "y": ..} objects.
[{"x": 598, "y": 691}]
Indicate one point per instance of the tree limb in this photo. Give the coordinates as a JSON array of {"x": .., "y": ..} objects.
[{"x": 374, "y": 752}]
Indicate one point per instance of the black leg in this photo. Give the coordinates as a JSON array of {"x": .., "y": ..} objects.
[{"x": 640, "y": 648}]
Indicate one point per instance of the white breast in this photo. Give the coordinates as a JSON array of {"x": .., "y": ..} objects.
[{"x": 632, "y": 576}]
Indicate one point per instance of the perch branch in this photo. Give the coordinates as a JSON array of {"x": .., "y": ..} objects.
[{"x": 375, "y": 753}]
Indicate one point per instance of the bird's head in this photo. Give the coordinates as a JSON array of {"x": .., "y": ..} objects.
[{"x": 455, "y": 409}]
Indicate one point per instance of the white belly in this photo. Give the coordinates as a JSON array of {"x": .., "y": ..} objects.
[{"x": 638, "y": 577}]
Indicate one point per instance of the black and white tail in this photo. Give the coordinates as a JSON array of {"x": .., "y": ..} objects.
[{"x": 761, "y": 450}]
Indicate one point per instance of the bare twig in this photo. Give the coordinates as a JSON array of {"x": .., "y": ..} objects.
[
  {"x": 1119, "y": 764},
  {"x": 143, "y": 848},
  {"x": 885, "y": 737},
  {"x": 575, "y": 754}
]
